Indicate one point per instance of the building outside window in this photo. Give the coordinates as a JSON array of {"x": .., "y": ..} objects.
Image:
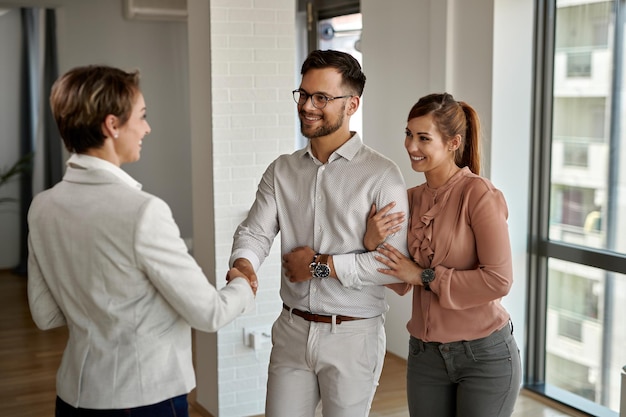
[{"x": 580, "y": 214}]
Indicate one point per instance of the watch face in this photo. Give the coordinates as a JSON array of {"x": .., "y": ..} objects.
[
  {"x": 428, "y": 275},
  {"x": 322, "y": 270}
]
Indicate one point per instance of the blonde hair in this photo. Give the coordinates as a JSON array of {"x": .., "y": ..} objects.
[{"x": 83, "y": 97}]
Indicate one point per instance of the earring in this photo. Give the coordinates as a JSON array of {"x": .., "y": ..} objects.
[{"x": 115, "y": 135}]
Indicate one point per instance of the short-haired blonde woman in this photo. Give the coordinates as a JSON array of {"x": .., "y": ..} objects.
[{"x": 107, "y": 261}]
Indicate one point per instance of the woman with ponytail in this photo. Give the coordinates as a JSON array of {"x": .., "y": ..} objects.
[{"x": 463, "y": 359}]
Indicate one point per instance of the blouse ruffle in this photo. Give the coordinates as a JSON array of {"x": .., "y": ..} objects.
[{"x": 420, "y": 245}]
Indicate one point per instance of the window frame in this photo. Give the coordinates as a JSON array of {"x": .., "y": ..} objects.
[
  {"x": 540, "y": 247},
  {"x": 316, "y": 10}
]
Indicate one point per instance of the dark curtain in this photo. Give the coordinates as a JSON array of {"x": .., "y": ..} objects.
[
  {"x": 28, "y": 129},
  {"x": 36, "y": 114},
  {"x": 52, "y": 140}
]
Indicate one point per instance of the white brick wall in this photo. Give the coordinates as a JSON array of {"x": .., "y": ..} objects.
[{"x": 253, "y": 72}]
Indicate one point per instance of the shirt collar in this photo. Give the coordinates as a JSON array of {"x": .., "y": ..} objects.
[
  {"x": 91, "y": 162},
  {"x": 348, "y": 150}
]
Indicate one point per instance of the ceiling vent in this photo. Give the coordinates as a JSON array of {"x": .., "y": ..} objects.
[{"x": 155, "y": 9}]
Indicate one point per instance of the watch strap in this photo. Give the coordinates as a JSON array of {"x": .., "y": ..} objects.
[
  {"x": 313, "y": 264},
  {"x": 319, "y": 267}
]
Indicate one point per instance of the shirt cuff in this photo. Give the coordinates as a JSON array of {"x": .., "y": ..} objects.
[
  {"x": 247, "y": 254},
  {"x": 345, "y": 268}
]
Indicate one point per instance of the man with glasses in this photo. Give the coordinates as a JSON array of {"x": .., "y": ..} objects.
[{"x": 329, "y": 340}]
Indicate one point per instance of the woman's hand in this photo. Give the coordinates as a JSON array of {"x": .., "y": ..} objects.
[
  {"x": 398, "y": 265},
  {"x": 381, "y": 225}
]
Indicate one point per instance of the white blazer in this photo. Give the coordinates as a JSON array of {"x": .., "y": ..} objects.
[{"x": 107, "y": 260}]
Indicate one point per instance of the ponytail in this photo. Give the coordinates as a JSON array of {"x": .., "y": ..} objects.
[{"x": 470, "y": 154}]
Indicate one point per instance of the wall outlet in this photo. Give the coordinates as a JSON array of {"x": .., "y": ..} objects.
[{"x": 257, "y": 337}]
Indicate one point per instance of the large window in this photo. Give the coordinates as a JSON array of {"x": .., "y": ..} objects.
[{"x": 578, "y": 344}]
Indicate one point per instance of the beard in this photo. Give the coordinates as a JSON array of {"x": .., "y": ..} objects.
[{"x": 325, "y": 129}]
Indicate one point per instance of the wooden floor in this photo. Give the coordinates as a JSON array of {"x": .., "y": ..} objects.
[{"x": 29, "y": 359}]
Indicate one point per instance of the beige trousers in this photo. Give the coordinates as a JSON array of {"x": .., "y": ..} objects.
[{"x": 337, "y": 364}]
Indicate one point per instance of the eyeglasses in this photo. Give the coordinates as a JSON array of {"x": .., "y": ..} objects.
[{"x": 318, "y": 100}]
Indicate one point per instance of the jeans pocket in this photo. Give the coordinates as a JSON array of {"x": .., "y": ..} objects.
[
  {"x": 416, "y": 347},
  {"x": 496, "y": 352}
]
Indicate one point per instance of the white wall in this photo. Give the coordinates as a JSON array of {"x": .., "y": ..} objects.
[{"x": 511, "y": 129}]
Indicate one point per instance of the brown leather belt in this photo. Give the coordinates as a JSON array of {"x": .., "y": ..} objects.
[{"x": 319, "y": 318}]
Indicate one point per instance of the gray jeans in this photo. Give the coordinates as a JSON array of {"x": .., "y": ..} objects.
[{"x": 477, "y": 378}]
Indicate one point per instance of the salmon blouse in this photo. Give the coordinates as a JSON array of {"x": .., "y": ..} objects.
[{"x": 460, "y": 230}]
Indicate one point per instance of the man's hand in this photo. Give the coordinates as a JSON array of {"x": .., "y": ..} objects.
[
  {"x": 296, "y": 264},
  {"x": 243, "y": 268}
]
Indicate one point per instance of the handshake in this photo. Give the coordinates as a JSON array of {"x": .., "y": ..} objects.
[
  {"x": 242, "y": 268},
  {"x": 296, "y": 267}
]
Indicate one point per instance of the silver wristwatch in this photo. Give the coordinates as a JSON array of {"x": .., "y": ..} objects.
[{"x": 319, "y": 267}]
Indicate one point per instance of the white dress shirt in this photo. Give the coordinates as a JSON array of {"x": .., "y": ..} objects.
[
  {"x": 326, "y": 206},
  {"x": 107, "y": 260}
]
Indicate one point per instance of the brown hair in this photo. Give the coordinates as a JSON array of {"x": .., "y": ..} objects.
[
  {"x": 351, "y": 74},
  {"x": 453, "y": 118},
  {"x": 83, "y": 97}
]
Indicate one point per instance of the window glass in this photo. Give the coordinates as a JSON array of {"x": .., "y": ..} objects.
[
  {"x": 586, "y": 206},
  {"x": 585, "y": 331}
]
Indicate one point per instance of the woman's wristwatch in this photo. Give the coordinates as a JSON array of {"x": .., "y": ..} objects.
[{"x": 428, "y": 276}]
